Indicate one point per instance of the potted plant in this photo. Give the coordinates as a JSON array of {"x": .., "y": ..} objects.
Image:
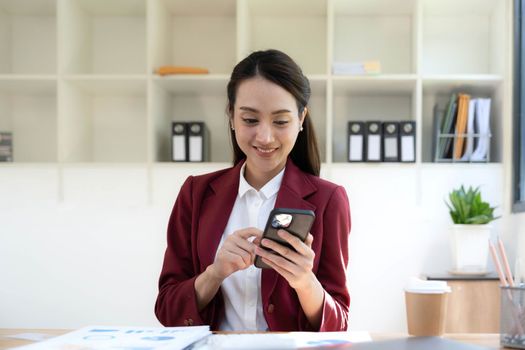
[{"x": 471, "y": 230}]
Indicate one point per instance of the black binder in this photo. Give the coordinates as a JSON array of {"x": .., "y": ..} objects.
[
  {"x": 373, "y": 141},
  {"x": 356, "y": 141},
  {"x": 196, "y": 141},
  {"x": 179, "y": 148},
  {"x": 407, "y": 132},
  {"x": 390, "y": 141}
]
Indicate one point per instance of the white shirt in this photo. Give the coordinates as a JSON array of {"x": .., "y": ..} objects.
[{"x": 242, "y": 289}]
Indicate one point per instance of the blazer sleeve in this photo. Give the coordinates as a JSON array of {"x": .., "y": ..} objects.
[
  {"x": 334, "y": 261},
  {"x": 176, "y": 303}
]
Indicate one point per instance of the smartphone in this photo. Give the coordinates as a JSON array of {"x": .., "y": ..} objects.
[{"x": 296, "y": 221}]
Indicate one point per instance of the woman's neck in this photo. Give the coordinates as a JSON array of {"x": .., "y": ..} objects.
[{"x": 258, "y": 179}]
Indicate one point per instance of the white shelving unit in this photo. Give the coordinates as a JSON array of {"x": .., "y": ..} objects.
[{"x": 77, "y": 81}]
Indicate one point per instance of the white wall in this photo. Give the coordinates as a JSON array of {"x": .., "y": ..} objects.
[{"x": 84, "y": 245}]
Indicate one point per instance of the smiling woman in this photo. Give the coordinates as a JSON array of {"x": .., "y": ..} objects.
[
  {"x": 266, "y": 122},
  {"x": 215, "y": 229}
]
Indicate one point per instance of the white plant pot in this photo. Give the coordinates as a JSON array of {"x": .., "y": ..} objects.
[{"x": 470, "y": 247}]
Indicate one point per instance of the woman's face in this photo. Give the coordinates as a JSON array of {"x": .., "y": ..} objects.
[{"x": 266, "y": 122}]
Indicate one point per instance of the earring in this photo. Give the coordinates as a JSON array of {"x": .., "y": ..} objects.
[{"x": 301, "y": 129}]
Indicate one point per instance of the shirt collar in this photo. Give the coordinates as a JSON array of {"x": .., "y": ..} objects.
[{"x": 268, "y": 190}]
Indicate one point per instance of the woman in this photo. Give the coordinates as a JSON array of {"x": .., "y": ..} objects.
[{"x": 214, "y": 232}]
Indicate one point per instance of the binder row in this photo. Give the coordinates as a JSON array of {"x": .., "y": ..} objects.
[
  {"x": 188, "y": 141},
  {"x": 377, "y": 141}
]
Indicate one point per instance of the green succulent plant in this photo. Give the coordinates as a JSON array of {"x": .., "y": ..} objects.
[{"x": 467, "y": 207}]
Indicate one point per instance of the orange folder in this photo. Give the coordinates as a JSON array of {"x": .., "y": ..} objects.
[
  {"x": 461, "y": 124},
  {"x": 168, "y": 70}
]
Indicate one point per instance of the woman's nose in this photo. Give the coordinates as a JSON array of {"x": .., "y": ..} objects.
[{"x": 264, "y": 133}]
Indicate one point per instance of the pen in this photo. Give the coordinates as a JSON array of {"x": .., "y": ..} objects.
[{"x": 505, "y": 262}]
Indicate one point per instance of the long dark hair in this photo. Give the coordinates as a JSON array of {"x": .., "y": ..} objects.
[{"x": 280, "y": 69}]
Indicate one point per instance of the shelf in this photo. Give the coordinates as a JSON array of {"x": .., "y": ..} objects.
[
  {"x": 93, "y": 62},
  {"x": 466, "y": 37},
  {"x": 447, "y": 83},
  {"x": 103, "y": 121},
  {"x": 301, "y": 18},
  {"x": 388, "y": 25},
  {"x": 28, "y": 30},
  {"x": 28, "y": 109},
  {"x": 194, "y": 84},
  {"x": 103, "y": 37},
  {"x": 107, "y": 85},
  {"x": 438, "y": 91},
  {"x": 368, "y": 105},
  {"x": 193, "y": 33},
  {"x": 388, "y": 84}
]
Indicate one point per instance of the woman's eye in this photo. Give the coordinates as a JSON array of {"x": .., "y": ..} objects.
[
  {"x": 281, "y": 122},
  {"x": 249, "y": 120}
]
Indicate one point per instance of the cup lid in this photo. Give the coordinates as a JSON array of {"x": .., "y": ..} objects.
[{"x": 417, "y": 285}]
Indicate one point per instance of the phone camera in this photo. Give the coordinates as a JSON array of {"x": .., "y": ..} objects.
[{"x": 281, "y": 221}]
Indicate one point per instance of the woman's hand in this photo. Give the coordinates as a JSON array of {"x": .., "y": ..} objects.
[
  {"x": 236, "y": 253},
  {"x": 295, "y": 266}
]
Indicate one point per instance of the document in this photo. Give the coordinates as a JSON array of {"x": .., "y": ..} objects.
[
  {"x": 124, "y": 338},
  {"x": 292, "y": 340},
  {"x": 483, "y": 130}
]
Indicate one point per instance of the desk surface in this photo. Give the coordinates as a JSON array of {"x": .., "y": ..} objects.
[{"x": 489, "y": 340}]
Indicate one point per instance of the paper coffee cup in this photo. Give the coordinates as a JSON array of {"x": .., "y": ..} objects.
[{"x": 426, "y": 307}]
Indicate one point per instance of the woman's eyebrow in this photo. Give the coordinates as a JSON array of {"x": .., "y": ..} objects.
[
  {"x": 281, "y": 111},
  {"x": 253, "y": 110},
  {"x": 249, "y": 109}
]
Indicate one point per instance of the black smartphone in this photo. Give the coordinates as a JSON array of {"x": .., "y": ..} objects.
[{"x": 296, "y": 221}]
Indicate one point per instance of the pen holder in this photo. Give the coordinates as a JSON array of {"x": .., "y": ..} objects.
[{"x": 512, "y": 323}]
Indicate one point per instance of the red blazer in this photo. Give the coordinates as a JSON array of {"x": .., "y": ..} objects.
[{"x": 195, "y": 228}]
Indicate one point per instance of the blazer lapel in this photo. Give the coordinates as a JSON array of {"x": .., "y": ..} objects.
[
  {"x": 294, "y": 188},
  {"x": 215, "y": 212}
]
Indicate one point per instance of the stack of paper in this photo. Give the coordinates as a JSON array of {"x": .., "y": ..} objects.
[
  {"x": 103, "y": 337},
  {"x": 356, "y": 68}
]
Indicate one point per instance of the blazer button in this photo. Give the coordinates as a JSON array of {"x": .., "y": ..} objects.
[
  {"x": 190, "y": 322},
  {"x": 270, "y": 308}
]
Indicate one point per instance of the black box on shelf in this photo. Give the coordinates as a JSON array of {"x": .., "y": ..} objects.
[
  {"x": 6, "y": 147},
  {"x": 189, "y": 142},
  {"x": 390, "y": 144}
]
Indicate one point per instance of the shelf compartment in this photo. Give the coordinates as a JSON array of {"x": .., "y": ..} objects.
[
  {"x": 186, "y": 99},
  {"x": 303, "y": 35},
  {"x": 103, "y": 120},
  {"x": 28, "y": 43},
  {"x": 379, "y": 30},
  {"x": 439, "y": 91},
  {"x": 193, "y": 33},
  {"x": 360, "y": 100},
  {"x": 103, "y": 36},
  {"x": 28, "y": 110},
  {"x": 463, "y": 37}
]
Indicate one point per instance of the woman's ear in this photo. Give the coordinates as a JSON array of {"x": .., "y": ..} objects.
[{"x": 302, "y": 116}]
